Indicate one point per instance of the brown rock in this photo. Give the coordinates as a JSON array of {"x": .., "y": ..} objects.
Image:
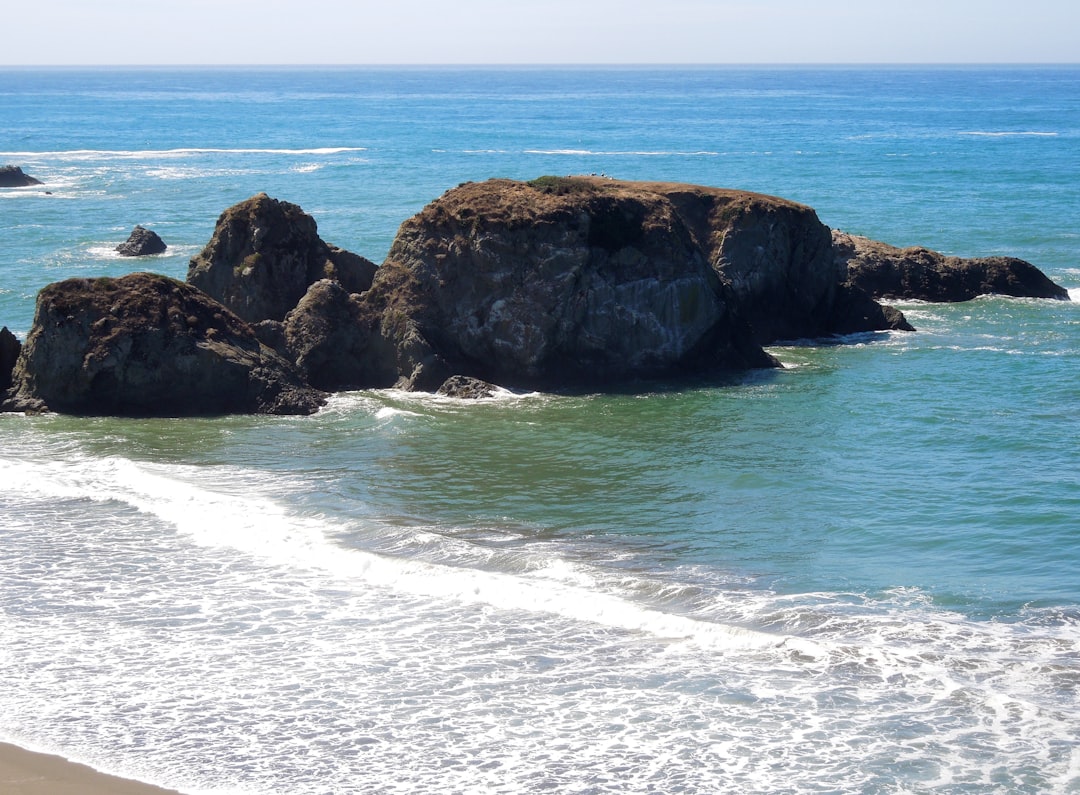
[
  {"x": 334, "y": 343},
  {"x": 147, "y": 345},
  {"x": 263, "y": 256}
]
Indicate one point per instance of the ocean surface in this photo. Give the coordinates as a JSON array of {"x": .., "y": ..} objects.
[{"x": 858, "y": 574}]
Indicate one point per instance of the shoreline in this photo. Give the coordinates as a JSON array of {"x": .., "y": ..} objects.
[{"x": 24, "y": 772}]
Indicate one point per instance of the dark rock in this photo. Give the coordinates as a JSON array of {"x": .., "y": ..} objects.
[
  {"x": 9, "y": 354},
  {"x": 855, "y": 311},
  {"x": 263, "y": 256},
  {"x": 271, "y": 333},
  {"x": 141, "y": 243},
  {"x": 13, "y": 177},
  {"x": 916, "y": 273},
  {"x": 465, "y": 388},
  {"x": 567, "y": 281},
  {"x": 147, "y": 345},
  {"x": 334, "y": 343}
]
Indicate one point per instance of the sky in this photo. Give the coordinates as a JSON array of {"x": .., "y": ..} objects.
[{"x": 233, "y": 32}]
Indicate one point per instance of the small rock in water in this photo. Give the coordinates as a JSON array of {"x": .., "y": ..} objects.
[{"x": 142, "y": 242}]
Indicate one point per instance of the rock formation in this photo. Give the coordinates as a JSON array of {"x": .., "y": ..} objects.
[
  {"x": 263, "y": 256},
  {"x": 581, "y": 280},
  {"x": 558, "y": 282},
  {"x": 9, "y": 354},
  {"x": 141, "y": 243},
  {"x": 917, "y": 273},
  {"x": 147, "y": 345},
  {"x": 334, "y": 343},
  {"x": 13, "y": 177}
]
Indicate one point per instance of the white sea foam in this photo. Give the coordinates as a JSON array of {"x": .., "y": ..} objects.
[
  {"x": 156, "y": 154},
  {"x": 1074, "y": 293},
  {"x": 258, "y": 525},
  {"x": 231, "y": 665},
  {"x": 1009, "y": 133},
  {"x": 622, "y": 153}
]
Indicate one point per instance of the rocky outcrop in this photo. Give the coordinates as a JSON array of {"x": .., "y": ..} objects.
[
  {"x": 147, "y": 345},
  {"x": 263, "y": 256},
  {"x": 13, "y": 177},
  {"x": 565, "y": 281},
  {"x": 141, "y": 242},
  {"x": 917, "y": 273},
  {"x": 333, "y": 341},
  {"x": 9, "y": 354},
  {"x": 464, "y": 388}
]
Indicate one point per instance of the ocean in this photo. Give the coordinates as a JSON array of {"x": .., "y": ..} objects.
[{"x": 856, "y": 574}]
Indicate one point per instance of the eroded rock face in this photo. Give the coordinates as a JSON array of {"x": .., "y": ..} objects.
[
  {"x": 554, "y": 283},
  {"x": 917, "y": 273},
  {"x": 334, "y": 343},
  {"x": 13, "y": 177},
  {"x": 141, "y": 242},
  {"x": 586, "y": 280},
  {"x": 263, "y": 256},
  {"x": 147, "y": 345},
  {"x": 9, "y": 354}
]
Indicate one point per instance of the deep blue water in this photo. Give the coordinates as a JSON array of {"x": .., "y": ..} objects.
[{"x": 854, "y": 575}]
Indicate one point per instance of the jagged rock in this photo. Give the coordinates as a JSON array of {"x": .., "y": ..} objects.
[
  {"x": 334, "y": 343},
  {"x": 917, "y": 273},
  {"x": 147, "y": 345},
  {"x": 465, "y": 388},
  {"x": 9, "y": 354},
  {"x": 141, "y": 242},
  {"x": 580, "y": 280},
  {"x": 263, "y": 256},
  {"x": 13, "y": 177}
]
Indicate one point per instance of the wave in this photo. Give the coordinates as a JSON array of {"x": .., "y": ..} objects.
[
  {"x": 621, "y": 153},
  {"x": 136, "y": 154},
  {"x": 1009, "y": 133},
  {"x": 242, "y": 519}
]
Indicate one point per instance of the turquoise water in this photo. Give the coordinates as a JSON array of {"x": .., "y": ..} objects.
[{"x": 853, "y": 575}]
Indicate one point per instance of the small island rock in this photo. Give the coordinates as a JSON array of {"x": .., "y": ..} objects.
[
  {"x": 147, "y": 345},
  {"x": 142, "y": 242},
  {"x": 13, "y": 177}
]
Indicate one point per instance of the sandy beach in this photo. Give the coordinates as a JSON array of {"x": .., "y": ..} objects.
[{"x": 25, "y": 772}]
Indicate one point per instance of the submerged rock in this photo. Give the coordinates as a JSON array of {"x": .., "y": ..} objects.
[
  {"x": 141, "y": 243},
  {"x": 147, "y": 345},
  {"x": 918, "y": 273},
  {"x": 263, "y": 256},
  {"x": 13, "y": 177},
  {"x": 566, "y": 281}
]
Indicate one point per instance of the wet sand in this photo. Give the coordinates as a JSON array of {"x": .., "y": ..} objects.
[{"x": 25, "y": 772}]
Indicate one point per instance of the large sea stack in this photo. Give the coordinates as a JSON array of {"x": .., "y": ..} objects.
[
  {"x": 145, "y": 345},
  {"x": 263, "y": 256},
  {"x": 580, "y": 280}
]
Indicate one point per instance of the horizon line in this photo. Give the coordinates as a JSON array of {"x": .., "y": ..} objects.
[{"x": 547, "y": 65}]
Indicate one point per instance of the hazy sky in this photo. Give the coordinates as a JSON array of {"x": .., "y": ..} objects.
[{"x": 531, "y": 31}]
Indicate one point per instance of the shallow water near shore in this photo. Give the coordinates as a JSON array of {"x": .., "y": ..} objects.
[{"x": 856, "y": 574}]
